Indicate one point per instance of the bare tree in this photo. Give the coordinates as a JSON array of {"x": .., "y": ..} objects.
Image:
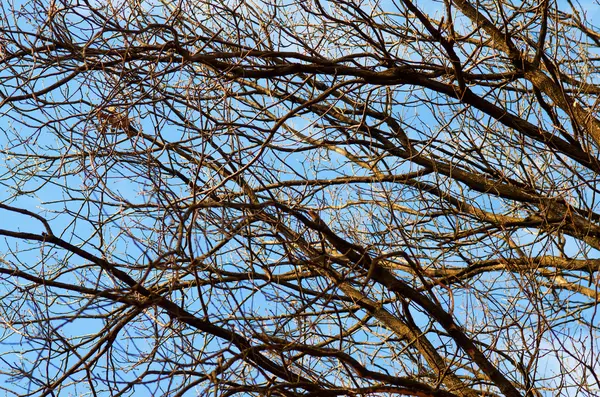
[{"x": 309, "y": 198}]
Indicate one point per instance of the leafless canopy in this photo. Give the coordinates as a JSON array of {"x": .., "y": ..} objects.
[{"x": 299, "y": 198}]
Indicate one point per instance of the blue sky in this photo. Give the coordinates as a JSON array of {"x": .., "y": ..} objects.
[{"x": 51, "y": 198}]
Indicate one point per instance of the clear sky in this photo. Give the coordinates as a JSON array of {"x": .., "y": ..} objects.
[{"x": 47, "y": 198}]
